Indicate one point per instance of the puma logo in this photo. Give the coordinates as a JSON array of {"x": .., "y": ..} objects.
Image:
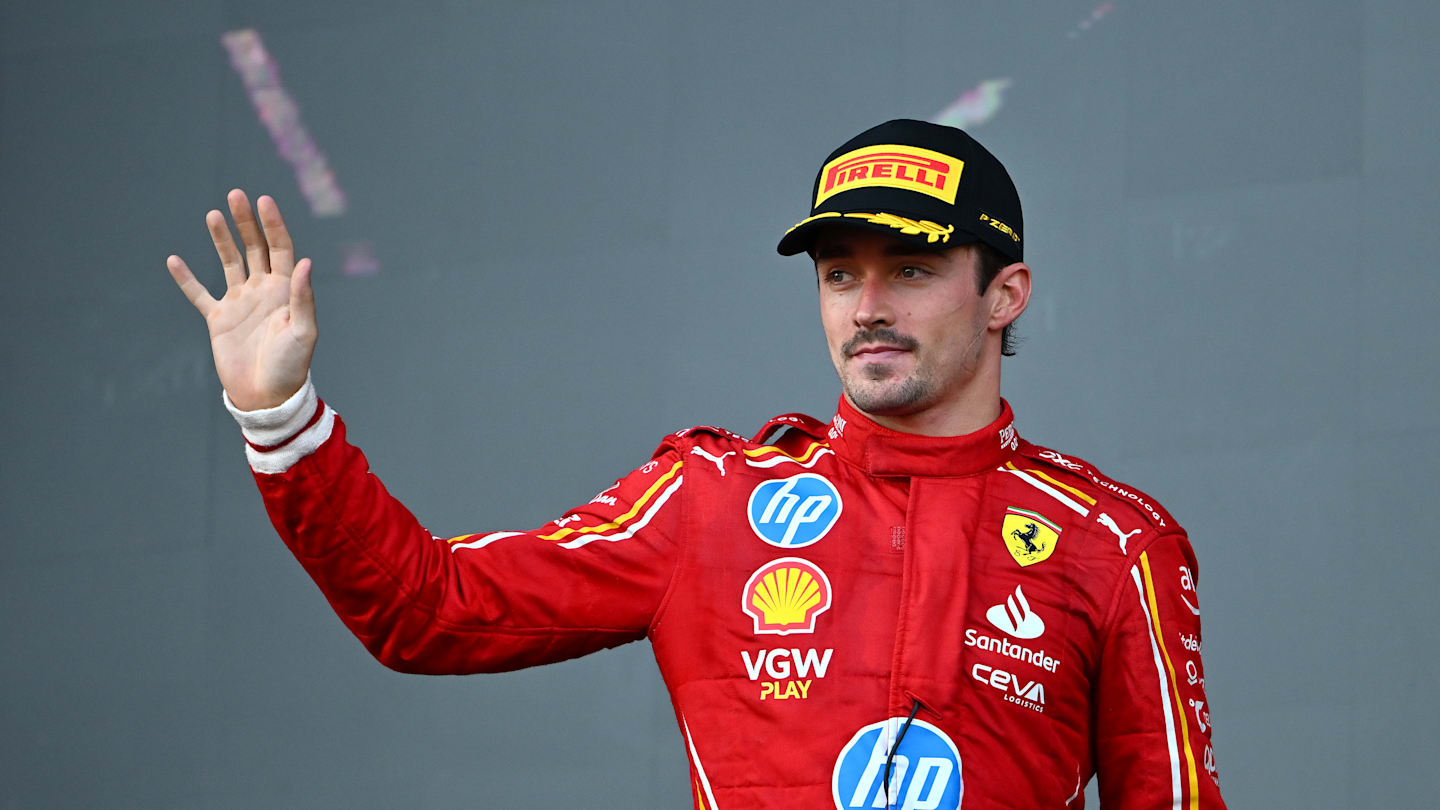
[
  {"x": 719, "y": 460},
  {"x": 1109, "y": 523}
]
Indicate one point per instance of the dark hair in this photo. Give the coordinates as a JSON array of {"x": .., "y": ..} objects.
[{"x": 988, "y": 264}]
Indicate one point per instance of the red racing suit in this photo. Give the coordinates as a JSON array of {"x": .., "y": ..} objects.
[{"x": 844, "y": 615}]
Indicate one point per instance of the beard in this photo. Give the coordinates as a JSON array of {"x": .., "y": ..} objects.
[{"x": 878, "y": 389}]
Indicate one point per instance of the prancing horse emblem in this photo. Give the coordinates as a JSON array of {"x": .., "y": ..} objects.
[
  {"x": 1031, "y": 532},
  {"x": 1029, "y": 536}
]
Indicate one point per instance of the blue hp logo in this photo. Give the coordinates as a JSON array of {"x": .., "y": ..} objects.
[
  {"x": 795, "y": 511},
  {"x": 924, "y": 774}
]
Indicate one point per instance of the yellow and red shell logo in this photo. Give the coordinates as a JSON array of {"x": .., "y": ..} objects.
[
  {"x": 784, "y": 596},
  {"x": 893, "y": 166}
]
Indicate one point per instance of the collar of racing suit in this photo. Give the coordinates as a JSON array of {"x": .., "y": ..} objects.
[{"x": 877, "y": 450}]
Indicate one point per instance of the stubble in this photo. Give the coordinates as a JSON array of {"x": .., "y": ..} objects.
[{"x": 878, "y": 389}]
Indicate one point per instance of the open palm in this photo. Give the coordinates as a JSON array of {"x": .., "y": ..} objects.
[{"x": 262, "y": 332}]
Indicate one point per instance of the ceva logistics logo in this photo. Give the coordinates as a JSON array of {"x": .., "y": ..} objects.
[
  {"x": 924, "y": 774},
  {"x": 793, "y": 512}
]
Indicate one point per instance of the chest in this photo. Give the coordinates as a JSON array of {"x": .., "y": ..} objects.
[{"x": 967, "y": 594}]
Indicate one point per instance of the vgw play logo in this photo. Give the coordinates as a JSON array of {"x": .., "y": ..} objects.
[
  {"x": 924, "y": 773},
  {"x": 793, "y": 512}
]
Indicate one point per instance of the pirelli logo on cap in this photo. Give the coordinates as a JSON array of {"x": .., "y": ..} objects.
[{"x": 893, "y": 166}]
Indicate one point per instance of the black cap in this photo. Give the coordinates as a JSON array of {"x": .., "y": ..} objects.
[{"x": 931, "y": 184}]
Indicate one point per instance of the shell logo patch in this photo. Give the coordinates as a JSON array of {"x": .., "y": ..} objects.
[
  {"x": 890, "y": 165},
  {"x": 1030, "y": 536},
  {"x": 785, "y": 596}
]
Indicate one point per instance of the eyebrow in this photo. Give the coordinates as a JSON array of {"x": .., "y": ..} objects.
[{"x": 841, "y": 250}]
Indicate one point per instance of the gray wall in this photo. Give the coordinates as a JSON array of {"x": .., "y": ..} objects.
[{"x": 1231, "y": 216}]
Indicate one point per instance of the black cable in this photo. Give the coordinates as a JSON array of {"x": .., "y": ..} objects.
[{"x": 896, "y": 747}]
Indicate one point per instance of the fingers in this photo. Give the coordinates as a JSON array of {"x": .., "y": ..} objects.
[
  {"x": 302, "y": 299},
  {"x": 257, "y": 252},
  {"x": 282, "y": 251},
  {"x": 194, "y": 290},
  {"x": 225, "y": 249},
  {"x": 267, "y": 251}
]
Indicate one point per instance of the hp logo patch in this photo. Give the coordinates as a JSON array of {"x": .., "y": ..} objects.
[
  {"x": 793, "y": 512},
  {"x": 924, "y": 775}
]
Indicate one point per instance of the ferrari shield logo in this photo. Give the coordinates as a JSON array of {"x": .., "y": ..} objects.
[{"x": 1030, "y": 537}]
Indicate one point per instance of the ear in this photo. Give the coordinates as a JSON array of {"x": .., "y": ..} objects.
[{"x": 1009, "y": 295}]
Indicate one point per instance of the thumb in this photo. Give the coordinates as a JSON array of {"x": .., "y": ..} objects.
[{"x": 302, "y": 299}]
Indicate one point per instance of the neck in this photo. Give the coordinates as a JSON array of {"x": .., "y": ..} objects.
[{"x": 965, "y": 411}]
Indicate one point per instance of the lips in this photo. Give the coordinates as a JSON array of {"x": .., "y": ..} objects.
[
  {"x": 880, "y": 352},
  {"x": 878, "y": 344}
]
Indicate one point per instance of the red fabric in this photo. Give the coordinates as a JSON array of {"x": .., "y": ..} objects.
[{"x": 919, "y": 569}]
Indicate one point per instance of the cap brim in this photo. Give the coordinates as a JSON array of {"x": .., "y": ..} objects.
[{"x": 929, "y": 236}]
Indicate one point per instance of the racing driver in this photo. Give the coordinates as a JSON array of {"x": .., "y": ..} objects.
[{"x": 956, "y": 617}]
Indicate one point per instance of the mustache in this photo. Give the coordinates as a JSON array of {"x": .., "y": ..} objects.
[{"x": 884, "y": 335}]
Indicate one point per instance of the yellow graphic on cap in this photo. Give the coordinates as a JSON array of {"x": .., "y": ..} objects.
[
  {"x": 1000, "y": 226},
  {"x": 1029, "y": 536},
  {"x": 933, "y": 231},
  {"x": 894, "y": 166}
]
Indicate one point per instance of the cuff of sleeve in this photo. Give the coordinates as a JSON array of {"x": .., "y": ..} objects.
[
  {"x": 277, "y": 438},
  {"x": 269, "y": 427}
]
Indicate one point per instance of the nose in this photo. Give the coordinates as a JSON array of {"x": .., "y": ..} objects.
[{"x": 874, "y": 307}]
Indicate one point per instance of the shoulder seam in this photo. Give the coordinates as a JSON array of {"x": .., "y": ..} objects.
[
  {"x": 1153, "y": 514},
  {"x": 1131, "y": 560},
  {"x": 681, "y": 557},
  {"x": 809, "y": 425}
]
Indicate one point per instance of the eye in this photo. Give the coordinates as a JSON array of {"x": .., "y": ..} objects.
[
  {"x": 910, "y": 271},
  {"x": 836, "y": 275}
]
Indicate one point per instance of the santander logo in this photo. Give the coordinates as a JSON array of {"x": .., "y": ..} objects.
[{"x": 1015, "y": 617}]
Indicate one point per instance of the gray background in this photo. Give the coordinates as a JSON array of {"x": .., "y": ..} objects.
[{"x": 1231, "y": 218}]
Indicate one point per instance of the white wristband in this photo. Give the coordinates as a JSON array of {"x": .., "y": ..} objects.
[{"x": 271, "y": 426}]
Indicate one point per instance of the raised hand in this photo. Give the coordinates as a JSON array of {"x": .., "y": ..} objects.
[{"x": 262, "y": 332}]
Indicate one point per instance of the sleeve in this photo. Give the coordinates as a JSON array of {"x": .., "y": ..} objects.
[
  {"x": 1152, "y": 719},
  {"x": 485, "y": 602}
]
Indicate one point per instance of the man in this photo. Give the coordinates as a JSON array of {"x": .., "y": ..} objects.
[{"x": 909, "y": 606}]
